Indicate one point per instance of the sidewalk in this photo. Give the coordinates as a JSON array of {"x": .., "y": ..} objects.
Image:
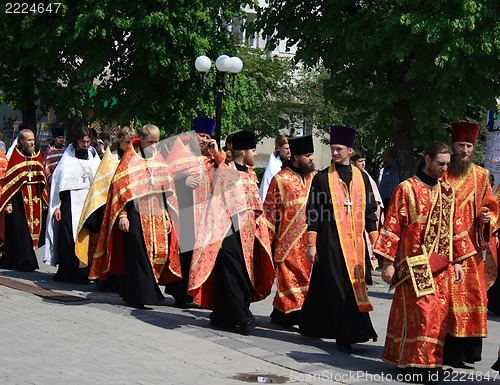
[{"x": 95, "y": 339}]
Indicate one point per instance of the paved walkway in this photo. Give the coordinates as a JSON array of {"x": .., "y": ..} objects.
[{"x": 98, "y": 340}]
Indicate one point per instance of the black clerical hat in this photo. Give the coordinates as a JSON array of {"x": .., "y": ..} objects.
[
  {"x": 301, "y": 145},
  {"x": 342, "y": 135},
  {"x": 244, "y": 140}
]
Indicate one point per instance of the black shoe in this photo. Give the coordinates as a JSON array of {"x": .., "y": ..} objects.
[
  {"x": 345, "y": 348},
  {"x": 455, "y": 364},
  {"x": 249, "y": 325},
  {"x": 138, "y": 306},
  {"x": 100, "y": 285},
  {"x": 221, "y": 325},
  {"x": 180, "y": 304}
]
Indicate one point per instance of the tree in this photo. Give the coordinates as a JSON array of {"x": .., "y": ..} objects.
[
  {"x": 30, "y": 59},
  {"x": 142, "y": 54},
  {"x": 419, "y": 63}
]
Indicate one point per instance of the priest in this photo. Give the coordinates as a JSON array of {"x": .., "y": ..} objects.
[
  {"x": 137, "y": 240},
  {"x": 192, "y": 161},
  {"x": 285, "y": 213},
  {"x": 53, "y": 152},
  {"x": 231, "y": 265},
  {"x": 467, "y": 324},
  {"x": 71, "y": 182},
  {"x": 92, "y": 215},
  {"x": 339, "y": 209},
  {"x": 423, "y": 244},
  {"x": 23, "y": 206}
]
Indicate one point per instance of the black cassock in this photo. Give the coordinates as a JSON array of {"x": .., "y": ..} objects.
[
  {"x": 138, "y": 285},
  {"x": 69, "y": 269},
  {"x": 21, "y": 255},
  {"x": 330, "y": 309},
  {"x": 178, "y": 289}
]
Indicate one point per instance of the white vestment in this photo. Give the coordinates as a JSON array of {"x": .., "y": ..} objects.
[
  {"x": 74, "y": 175},
  {"x": 273, "y": 167}
]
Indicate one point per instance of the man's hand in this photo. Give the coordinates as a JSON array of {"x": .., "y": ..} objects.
[
  {"x": 459, "y": 273},
  {"x": 57, "y": 215},
  {"x": 123, "y": 224},
  {"x": 192, "y": 181},
  {"x": 485, "y": 216},
  {"x": 312, "y": 254},
  {"x": 212, "y": 146},
  {"x": 169, "y": 227},
  {"x": 388, "y": 273},
  {"x": 8, "y": 209}
]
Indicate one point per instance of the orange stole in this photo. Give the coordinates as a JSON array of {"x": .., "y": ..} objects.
[
  {"x": 350, "y": 224},
  {"x": 132, "y": 182},
  {"x": 26, "y": 173}
]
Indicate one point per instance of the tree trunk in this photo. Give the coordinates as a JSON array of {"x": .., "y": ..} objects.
[
  {"x": 28, "y": 106},
  {"x": 403, "y": 142}
]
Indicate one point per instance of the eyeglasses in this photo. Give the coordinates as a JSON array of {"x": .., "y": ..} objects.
[{"x": 442, "y": 164}]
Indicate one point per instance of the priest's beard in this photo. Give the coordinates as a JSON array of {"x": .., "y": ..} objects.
[
  {"x": 248, "y": 160},
  {"x": 459, "y": 166},
  {"x": 306, "y": 168},
  {"x": 28, "y": 150}
]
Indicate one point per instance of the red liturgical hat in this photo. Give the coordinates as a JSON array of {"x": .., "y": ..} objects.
[{"x": 464, "y": 132}]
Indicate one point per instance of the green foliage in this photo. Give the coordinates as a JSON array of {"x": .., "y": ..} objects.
[
  {"x": 259, "y": 171},
  {"x": 142, "y": 56},
  {"x": 440, "y": 56},
  {"x": 142, "y": 53}
]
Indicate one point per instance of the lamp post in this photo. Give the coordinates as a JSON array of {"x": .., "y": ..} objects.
[{"x": 222, "y": 80}]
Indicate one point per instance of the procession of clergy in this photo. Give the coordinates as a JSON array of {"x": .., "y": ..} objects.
[{"x": 187, "y": 215}]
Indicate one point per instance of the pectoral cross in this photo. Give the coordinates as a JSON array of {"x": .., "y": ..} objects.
[
  {"x": 348, "y": 203},
  {"x": 30, "y": 175},
  {"x": 84, "y": 177}
]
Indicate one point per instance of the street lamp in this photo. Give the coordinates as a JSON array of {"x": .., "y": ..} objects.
[{"x": 225, "y": 65}]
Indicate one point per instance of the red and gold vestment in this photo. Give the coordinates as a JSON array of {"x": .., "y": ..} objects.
[
  {"x": 25, "y": 173},
  {"x": 285, "y": 216},
  {"x": 468, "y": 301},
  {"x": 234, "y": 194},
  {"x": 181, "y": 160},
  {"x": 146, "y": 182},
  {"x": 51, "y": 158},
  {"x": 418, "y": 223}
]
